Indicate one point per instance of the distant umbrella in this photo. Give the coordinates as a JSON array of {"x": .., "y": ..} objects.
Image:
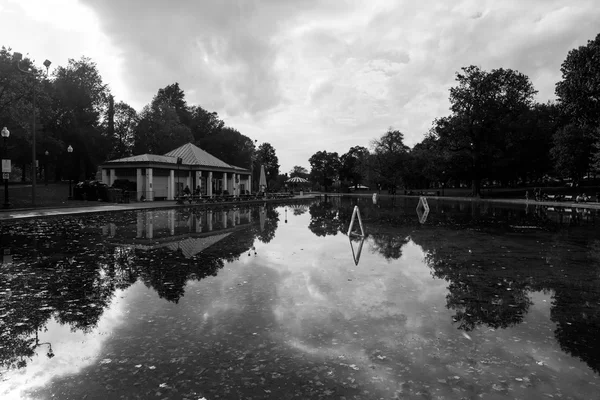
[{"x": 262, "y": 182}]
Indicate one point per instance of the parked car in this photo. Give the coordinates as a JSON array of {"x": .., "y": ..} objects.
[{"x": 91, "y": 190}]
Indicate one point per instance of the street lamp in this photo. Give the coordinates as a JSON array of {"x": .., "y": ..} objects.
[
  {"x": 443, "y": 182},
  {"x": 17, "y": 58},
  {"x": 179, "y": 199},
  {"x": 5, "y": 135},
  {"x": 70, "y": 151},
  {"x": 46, "y": 153}
]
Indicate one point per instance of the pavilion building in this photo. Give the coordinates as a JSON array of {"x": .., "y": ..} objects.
[{"x": 161, "y": 177}]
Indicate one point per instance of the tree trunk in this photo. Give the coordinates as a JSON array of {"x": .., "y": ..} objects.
[{"x": 476, "y": 189}]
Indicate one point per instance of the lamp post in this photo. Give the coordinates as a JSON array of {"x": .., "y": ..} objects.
[
  {"x": 18, "y": 57},
  {"x": 46, "y": 153},
  {"x": 70, "y": 151},
  {"x": 443, "y": 182},
  {"x": 5, "y": 135},
  {"x": 179, "y": 199}
]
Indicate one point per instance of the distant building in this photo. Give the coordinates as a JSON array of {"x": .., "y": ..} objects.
[{"x": 159, "y": 177}]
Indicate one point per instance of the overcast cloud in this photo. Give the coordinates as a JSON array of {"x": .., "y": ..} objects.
[{"x": 304, "y": 75}]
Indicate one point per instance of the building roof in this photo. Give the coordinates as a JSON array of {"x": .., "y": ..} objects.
[
  {"x": 194, "y": 155},
  {"x": 146, "y": 158},
  {"x": 190, "y": 155}
]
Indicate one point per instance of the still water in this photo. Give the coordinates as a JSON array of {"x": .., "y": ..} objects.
[{"x": 467, "y": 301}]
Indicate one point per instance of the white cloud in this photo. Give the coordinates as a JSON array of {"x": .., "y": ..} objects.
[{"x": 306, "y": 76}]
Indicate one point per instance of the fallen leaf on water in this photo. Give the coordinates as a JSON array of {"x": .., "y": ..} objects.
[{"x": 466, "y": 335}]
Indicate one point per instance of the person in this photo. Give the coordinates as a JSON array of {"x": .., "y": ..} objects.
[
  {"x": 197, "y": 191},
  {"x": 187, "y": 192}
]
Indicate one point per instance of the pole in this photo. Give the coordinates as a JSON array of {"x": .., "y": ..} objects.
[
  {"x": 33, "y": 167},
  {"x": 70, "y": 175},
  {"x": 6, "y": 203}
]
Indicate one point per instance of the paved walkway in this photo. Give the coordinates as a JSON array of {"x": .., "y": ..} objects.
[{"x": 12, "y": 214}]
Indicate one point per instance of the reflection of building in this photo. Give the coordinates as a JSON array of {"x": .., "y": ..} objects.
[
  {"x": 192, "y": 232},
  {"x": 160, "y": 176}
]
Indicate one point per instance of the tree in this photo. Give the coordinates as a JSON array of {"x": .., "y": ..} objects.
[
  {"x": 161, "y": 128},
  {"x": 266, "y": 156},
  {"x": 482, "y": 104},
  {"x": 299, "y": 171},
  {"x": 79, "y": 99},
  {"x": 204, "y": 124},
  {"x": 324, "y": 168},
  {"x": 571, "y": 151},
  {"x": 229, "y": 145},
  {"x": 125, "y": 122},
  {"x": 172, "y": 96},
  {"x": 354, "y": 165},
  {"x": 579, "y": 90},
  {"x": 390, "y": 158}
]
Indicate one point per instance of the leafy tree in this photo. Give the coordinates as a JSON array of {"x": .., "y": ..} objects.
[
  {"x": 579, "y": 90},
  {"x": 482, "y": 104},
  {"x": 354, "y": 165},
  {"x": 204, "y": 124},
  {"x": 324, "y": 168},
  {"x": 299, "y": 171},
  {"x": 266, "y": 156},
  {"x": 172, "y": 96},
  {"x": 80, "y": 98},
  {"x": 571, "y": 151},
  {"x": 125, "y": 122},
  {"x": 229, "y": 145},
  {"x": 160, "y": 128},
  {"x": 390, "y": 158}
]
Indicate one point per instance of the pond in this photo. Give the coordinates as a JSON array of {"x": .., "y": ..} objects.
[{"x": 466, "y": 301}]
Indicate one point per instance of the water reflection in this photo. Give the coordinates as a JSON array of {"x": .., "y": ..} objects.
[
  {"x": 68, "y": 269},
  {"x": 214, "y": 317},
  {"x": 490, "y": 274}
]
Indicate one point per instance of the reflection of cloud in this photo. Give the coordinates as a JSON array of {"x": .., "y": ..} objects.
[{"x": 73, "y": 351}]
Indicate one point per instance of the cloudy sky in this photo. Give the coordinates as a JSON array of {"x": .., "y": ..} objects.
[{"x": 304, "y": 75}]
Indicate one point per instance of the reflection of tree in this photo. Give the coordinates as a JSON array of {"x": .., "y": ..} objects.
[
  {"x": 576, "y": 305},
  {"x": 389, "y": 245},
  {"x": 485, "y": 288},
  {"x": 63, "y": 268},
  {"x": 324, "y": 219},
  {"x": 267, "y": 233}
]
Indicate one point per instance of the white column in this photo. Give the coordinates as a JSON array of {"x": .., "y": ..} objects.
[
  {"x": 188, "y": 179},
  {"x": 224, "y": 216},
  {"x": 209, "y": 184},
  {"x": 171, "y": 185},
  {"x": 250, "y": 184},
  {"x": 139, "y": 183},
  {"x": 236, "y": 182},
  {"x": 112, "y": 177},
  {"x": 209, "y": 217},
  {"x": 149, "y": 188},
  {"x": 197, "y": 179},
  {"x": 225, "y": 181},
  {"x": 105, "y": 178}
]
